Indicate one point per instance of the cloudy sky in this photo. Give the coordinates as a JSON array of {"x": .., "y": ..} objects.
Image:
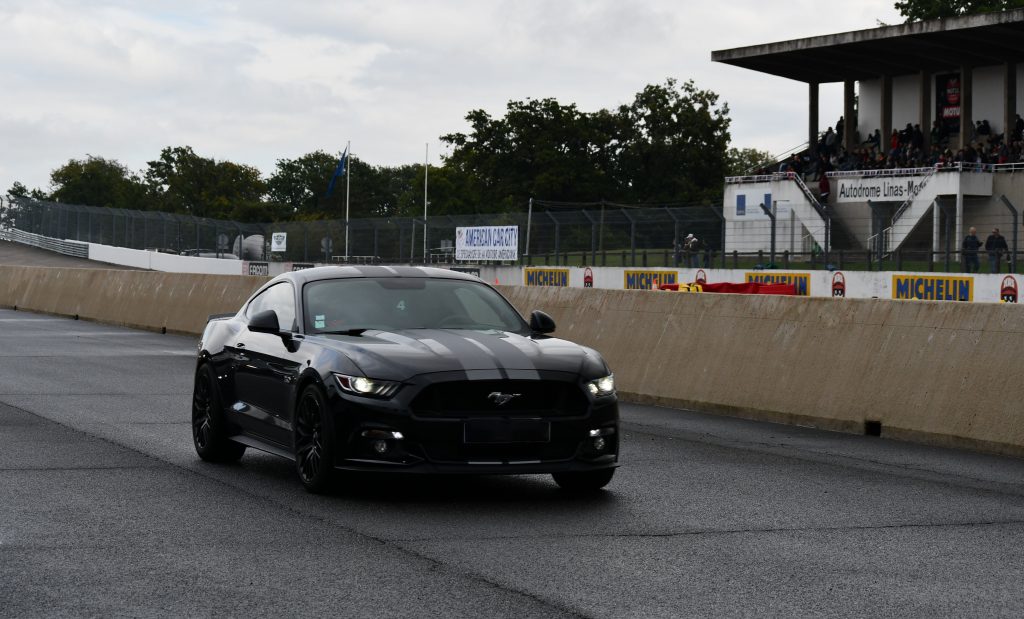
[{"x": 257, "y": 80}]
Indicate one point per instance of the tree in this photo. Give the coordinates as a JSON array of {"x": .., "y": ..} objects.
[
  {"x": 18, "y": 190},
  {"x": 668, "y": 145},
  {"x": 744, "y": 161},
  {"x": 918, "y": 10},
  {"x": 95, "y": 181},
  {"x": 376, "y": 191},
  {"x": 181, "y": 181},
  {"x": 301, "y": 183},
  {"x": 674, "y": 144},
  {"x": 539, "y": 148}
]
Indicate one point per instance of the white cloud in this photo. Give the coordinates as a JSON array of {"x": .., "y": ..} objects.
[{"x": 260, "y": 80}]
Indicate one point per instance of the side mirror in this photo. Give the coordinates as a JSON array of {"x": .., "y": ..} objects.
[
  {"x": 541, "y": 322},
  {"x": 265, "y": 322}
]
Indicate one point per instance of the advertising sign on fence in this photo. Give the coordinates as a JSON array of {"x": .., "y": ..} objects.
[
  {"x": 279, "y": 241},
  {"x": 545, "y": 277},
  {"x": 646, "y": 280},
  {"x": 802, "y": 281},
  {"x": 933, "y": 287},
  {"x": 487, "y": 243}
]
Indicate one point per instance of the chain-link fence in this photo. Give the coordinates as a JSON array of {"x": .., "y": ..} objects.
[
  {"x": 598, "y": 234},
  {"x": 603, "y": 234}
]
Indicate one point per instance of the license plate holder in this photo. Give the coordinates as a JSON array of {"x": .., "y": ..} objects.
[{"x": 498, "y": 431}]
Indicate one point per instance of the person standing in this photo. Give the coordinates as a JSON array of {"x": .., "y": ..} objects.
[
  {"x": 970, "y": 251},
  {"x": 688, "y": 246},
  {"x": 693, "y": 248},
  {"x": 995, "y": 245}
]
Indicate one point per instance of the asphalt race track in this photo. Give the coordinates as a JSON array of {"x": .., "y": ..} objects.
[{"x": 106, "y": 510}]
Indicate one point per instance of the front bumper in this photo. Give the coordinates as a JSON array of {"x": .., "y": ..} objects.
[{"x": 441, "y": 444}]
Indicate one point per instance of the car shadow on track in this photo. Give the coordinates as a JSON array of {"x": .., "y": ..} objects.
[{"x": 411, "y": 489}]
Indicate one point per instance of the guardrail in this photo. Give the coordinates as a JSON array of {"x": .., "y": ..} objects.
[{"x": 68, "y": 248}]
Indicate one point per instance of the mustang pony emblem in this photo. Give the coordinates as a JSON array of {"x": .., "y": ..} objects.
[{"x": 501, "y": 399}]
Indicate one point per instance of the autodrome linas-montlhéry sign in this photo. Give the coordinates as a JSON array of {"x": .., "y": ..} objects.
[{"x": 879, "y": 189}]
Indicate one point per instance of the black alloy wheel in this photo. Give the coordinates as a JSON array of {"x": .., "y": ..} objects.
[
  {"x": 584, "y": 481},
  {"x": 314, "y": 444},
  {"x": 208, "y": 433}
]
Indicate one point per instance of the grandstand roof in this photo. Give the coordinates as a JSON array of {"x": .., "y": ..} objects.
[{"x": 935, "y": 45}]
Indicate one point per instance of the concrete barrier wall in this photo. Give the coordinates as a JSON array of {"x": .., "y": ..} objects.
[
  {"x": 928, "y": 371},
  {"x": 177, "y": 302}
]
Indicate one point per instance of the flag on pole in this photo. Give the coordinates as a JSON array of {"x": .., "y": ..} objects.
[{"x": 338, "y": 171}]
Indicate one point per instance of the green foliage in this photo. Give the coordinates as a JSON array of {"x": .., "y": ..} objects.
[
  {"x": 376, "y": 191},
  {"x": 667, "y": 145},
  {"x": 917, "y": 10},
  {"x": 18, "y": 190},
  {"x": 675, "y": 142},
  {"x": 181, "y": 181},
  {"x": 95, "y": 181},
  {"x": 301, "y": 183},
  {"x": 743, "y": 161}
]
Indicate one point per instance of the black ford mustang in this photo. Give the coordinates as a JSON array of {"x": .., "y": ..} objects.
[{"x": 401, "y": 369}]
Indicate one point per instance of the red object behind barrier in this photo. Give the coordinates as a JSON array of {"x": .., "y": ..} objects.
[
  {"x": 746, "y": 288},
  {"x": 751, "y": 288}
]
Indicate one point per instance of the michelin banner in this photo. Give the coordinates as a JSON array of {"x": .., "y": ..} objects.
[
  {"x": 913, "y": 287},
  {"x": 487, "y": 243}
]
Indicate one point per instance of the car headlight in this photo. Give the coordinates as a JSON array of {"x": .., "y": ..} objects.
[
  {"x": 369, "y": 387},
  {"x": 602, "y": 386}
]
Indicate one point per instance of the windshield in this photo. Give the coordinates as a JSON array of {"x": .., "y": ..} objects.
[{"x": 392, "y": 303}]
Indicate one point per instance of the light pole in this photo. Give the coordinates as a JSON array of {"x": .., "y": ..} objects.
[{"x": 426, "y": 168}]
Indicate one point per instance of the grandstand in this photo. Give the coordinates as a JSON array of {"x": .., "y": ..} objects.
[{"x": 930, "y": 142}]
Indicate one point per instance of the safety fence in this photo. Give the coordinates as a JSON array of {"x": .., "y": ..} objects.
[{"x": 776, "y": 235}]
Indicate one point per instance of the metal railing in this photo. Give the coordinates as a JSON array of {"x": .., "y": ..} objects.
[{"x": 68, "y": 248}]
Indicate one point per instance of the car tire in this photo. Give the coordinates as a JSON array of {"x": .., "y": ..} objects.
[
  {"x": 209, "y": 434},
  {"x": 313, "y": 441},
  {"x": 585, "y": 481}
]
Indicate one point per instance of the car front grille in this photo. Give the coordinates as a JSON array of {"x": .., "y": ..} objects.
[{"x": 521, "y": 398}]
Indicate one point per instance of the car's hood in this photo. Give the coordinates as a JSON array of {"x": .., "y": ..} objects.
[{"x": 399, "y": 355}]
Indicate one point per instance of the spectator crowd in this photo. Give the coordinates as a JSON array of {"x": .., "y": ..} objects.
[{"x": 906, "y": 149}]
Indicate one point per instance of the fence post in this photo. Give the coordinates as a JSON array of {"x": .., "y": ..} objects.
[
  {"x": 785, "y": 258},
  {"x": 645, "y": 258},
  {"x": 735, "y": 259},
  {"x": 1013, "y": 214}
]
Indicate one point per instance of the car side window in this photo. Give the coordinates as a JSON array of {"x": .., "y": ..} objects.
[{"x": 281, "y": 299}]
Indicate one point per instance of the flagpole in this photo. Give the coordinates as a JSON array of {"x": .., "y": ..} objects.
[
  {"x": 348, "y": 168},
  {"x": 426, "y": 168}
]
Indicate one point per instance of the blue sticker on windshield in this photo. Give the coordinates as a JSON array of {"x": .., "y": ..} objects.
[{"x": 319, "y": 321}]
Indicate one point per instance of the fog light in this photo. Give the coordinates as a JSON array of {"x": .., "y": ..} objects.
[
  {"x": 380, "y": 447},
  {"x": 599, "y": 443}
]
